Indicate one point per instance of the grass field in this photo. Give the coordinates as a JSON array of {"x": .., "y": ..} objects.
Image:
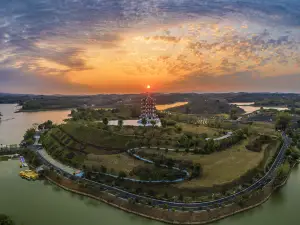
[
  {"x": 220, "y": 167},
  {"x": 199, "y": 129},
  {"x": 94, "y": 136},
  {"x": 118, "y": 162},
  {"x": 264, "y": 128}
]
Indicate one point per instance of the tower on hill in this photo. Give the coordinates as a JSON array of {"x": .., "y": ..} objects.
[{"x": 148, "y": 109}]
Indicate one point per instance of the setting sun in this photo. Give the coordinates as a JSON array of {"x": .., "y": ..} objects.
[{"x": 148, "y": 86}]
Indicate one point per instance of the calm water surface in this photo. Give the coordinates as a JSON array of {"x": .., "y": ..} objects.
[
  {"x": 39, "y": 203},
  {"x": 14, "y": 125},
  {"x": 168, "y": 106},
  {"x": 249, "y": 108}
]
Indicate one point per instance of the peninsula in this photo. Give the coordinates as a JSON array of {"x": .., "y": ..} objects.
[{"x": 169, "y": 166}]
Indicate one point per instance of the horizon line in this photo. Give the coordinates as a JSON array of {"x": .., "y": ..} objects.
[{"x": 193, "y": 92}]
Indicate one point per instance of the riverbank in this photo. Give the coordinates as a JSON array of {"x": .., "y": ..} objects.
[
  {"x": 181, "y": 212},
  {"x": 42, "y": 110},
  {"x": 172, "y": 216}
]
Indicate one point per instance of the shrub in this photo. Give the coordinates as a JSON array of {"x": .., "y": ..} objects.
[{"x": 5, "y": 220}]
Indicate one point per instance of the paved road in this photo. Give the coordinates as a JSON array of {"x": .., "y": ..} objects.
[
  {"x": 124, "y": 194},
  {"x": 52, "y": 161},
  {"x": 221, "y": 138}
]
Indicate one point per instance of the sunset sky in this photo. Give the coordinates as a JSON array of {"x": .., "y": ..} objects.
[{"x": 121, "y": 46}]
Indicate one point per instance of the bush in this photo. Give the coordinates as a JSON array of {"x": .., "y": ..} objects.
[
  {"x": 170, "y": 122},
  {"x": 122, "y": 174},
  {"x": 5, "y": 220},
  {"x": 178, "y": 129},
  {"x": 256, "y": 144}
]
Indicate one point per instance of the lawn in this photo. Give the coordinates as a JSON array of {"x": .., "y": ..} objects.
[
  {"x": 264, "y": 128},
  {"x": 117, "y": 162},
  {"x": 199, "y": 129},
  {"x": 94, "y": 136},
  {"x": 219, "y": 167}
]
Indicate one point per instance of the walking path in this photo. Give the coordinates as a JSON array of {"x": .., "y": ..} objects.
[
  {"x": 223, "y": 137},
  {"x": 42, "y": 152}
]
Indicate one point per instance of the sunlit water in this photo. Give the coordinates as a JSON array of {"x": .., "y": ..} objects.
[
  {"x": 168, "y": 106},
  {"x": 14, "y": 125},
  {"x": 249, "y": 108},
  {"x": 39, "y": 203}
]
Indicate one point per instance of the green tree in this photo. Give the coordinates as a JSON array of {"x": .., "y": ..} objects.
[
  {"x": 187, "y": 109},
  {"x": 29, "y": 134},
  {"x": 166, "y": 196},
  {"x": 283, "y": 170},
  {"x": 233, "y": 114},
  {"x": 180, "y": 198},
  {"x": 197, "y": 171},
  {"x": 163, "y": 123},
  {"x": 120, "y": 123},
  {"x": 122, "y": 174},
  {"x": 283, "y": 120},
  {"x": 105, "y": 121},
  {"x": 144, "y": 121},
  {"x": 103, "y": 169},
  {"x": 5, "y": 220},
  {"x": 47, "y": 125},
  {"x": 153, "y": 123}
]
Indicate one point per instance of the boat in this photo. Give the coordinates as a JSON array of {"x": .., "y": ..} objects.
[{"x": 29, "y": 175}]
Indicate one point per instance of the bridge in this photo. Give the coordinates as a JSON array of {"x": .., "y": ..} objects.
[{"x": 262, "y": 182}]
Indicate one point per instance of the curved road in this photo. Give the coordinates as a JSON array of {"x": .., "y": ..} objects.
[{"x": 267, "y": 178}]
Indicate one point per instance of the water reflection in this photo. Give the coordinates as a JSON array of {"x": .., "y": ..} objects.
[
  {"x": 91, "y": 202},
  {"x": 249, "y": 108},
  {"x": 46, "y": 182},
  {"x": 168, "y": 106},
  {"x": 56, "y": 188},
  {"x": 20, "y": 122}
]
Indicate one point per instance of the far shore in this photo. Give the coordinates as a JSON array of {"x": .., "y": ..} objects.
[{"x": 41, "y": 110}]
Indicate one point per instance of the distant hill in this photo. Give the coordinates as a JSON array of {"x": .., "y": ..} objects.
[
  {"x": 198, "y": 103},
  {"x": 204, "y": 105}
]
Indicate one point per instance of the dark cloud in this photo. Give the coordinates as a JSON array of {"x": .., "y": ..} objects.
[
  {"x": 106, "y": 40},
  {"x": 69, "y": 57},
  {"x": 13, "y": 80},
  {"x": 273, "y": 12},
  {"x": 255, "y": 51}
]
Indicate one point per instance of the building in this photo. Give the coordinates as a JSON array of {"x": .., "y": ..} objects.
[{"x": 148, "y": 109}]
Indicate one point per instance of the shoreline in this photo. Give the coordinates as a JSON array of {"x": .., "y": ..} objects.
[
  {"x": 41, "y": 110},
  {"x": 188, "y": 213}
]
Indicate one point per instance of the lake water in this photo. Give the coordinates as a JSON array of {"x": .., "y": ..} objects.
[
  {"x": 249, "y": 108},
  {"x": 168, "y": 106},
  {"x": 14, "y": 125},
  {"x": 40, "y": 203}
]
